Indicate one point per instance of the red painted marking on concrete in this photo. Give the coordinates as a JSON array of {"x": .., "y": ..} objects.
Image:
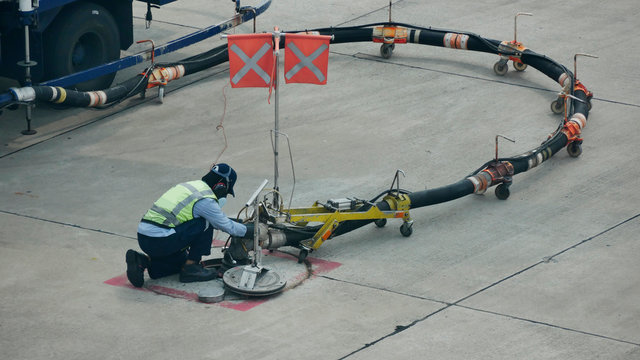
[
  {"x": 180, "y": 294},
  {"x": 318, "y": 266},
  {"x": 120, "y": 281},
  {"x": 124, "y": 282},
  {"x": 243, "y": 305},
  {"x": 323, "y": 266}
]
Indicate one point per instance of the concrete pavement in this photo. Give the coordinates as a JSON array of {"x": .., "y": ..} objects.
[{"x": 551, "y": 273}]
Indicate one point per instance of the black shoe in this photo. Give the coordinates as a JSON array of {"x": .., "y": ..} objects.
[
  {"x": 136, "y": 263},
  {"x": 196, "y": 272}
]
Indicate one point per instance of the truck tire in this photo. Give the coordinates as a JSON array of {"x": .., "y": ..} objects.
[{"x": 82, "y": 36}]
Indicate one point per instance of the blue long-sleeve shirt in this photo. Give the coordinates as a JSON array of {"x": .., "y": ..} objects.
[{"x": 206, "y": 208}]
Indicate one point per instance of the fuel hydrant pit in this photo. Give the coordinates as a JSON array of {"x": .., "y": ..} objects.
[{"x": 250, "y": 280}]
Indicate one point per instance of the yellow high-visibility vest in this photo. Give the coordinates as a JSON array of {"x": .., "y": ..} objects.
[{"x": 175, "y": 206}]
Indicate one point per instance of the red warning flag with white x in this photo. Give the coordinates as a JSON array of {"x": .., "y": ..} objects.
[
  {"x": 251, "y": 60},
  {"x": 306, "y": 58}
]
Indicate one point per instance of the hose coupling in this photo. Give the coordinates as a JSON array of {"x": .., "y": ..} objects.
[
  {"x": 390, "y": 34},
  {"x": 495, "y": 173},
  {"x": 161, "y": 76},
  {"x": 276, "y": 238}
]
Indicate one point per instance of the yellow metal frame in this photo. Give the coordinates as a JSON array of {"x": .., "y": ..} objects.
[{"x": 400, "y": 205}]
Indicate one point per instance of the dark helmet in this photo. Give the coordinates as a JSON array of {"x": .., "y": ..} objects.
[{"x": 221, "y": 172}]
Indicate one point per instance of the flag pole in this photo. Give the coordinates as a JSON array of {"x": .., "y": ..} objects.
[{"x": 276, "y": 129}]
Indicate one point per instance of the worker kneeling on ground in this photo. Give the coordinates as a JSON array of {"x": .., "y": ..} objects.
[{"x": 178, "y": 229}]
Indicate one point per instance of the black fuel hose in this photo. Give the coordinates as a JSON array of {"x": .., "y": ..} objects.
[
  {"x": 418, "y": 199},
  {"x": 68, "y": 97},
  {"x": 456, "y": 190},
  {"x": 366, "y": 33},
  {"x": 432, "y": 37},
  {"x": 203, "y": 61}
]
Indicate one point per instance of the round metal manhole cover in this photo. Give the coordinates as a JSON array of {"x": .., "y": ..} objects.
[
  {"x": 212, "y": 294},
  {"x": 268, "y": 282}
]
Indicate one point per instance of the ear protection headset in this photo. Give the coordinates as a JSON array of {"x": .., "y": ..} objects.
[{"x": 221, "y": 188}]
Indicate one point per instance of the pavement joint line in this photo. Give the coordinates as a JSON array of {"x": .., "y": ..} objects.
[
  {"x": 367, "y": 14},
  {"x": 370, "y": 57},
  {"x": 360, "y": 56},
  {"x": 375, "y": 58},
  {"x": 401, "y": 328},
  {"x": 386, "y": 290},
  {"x": 89, "y": 122},
  {"x": 547, "y": 259},
  {"x": 123, "y": 108},
  {"x": 548, "y": 324},
  {"x": 447, "y": 305},
  {"x": 398, "y": 329},
  {"x": 457, "y": 303},
  {"x": 616, "y": 102},
  {"x": 66, "y": 224}
]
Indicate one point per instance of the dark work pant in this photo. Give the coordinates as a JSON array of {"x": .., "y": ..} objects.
[{"x": 168, "y": 254}]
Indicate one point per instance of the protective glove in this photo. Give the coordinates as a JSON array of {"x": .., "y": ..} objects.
[
  {"x": 250, "y": 229},
  {"x": 263, "y": 228}
]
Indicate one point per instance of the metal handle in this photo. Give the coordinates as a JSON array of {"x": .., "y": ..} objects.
[
  {"x": 253, "y": 197},
  {"x": 396, "y": 181},
  {"x": 575, "y": 63},
  {"x": 504, "y": 137},
  {"x": 515, "y": 24}
]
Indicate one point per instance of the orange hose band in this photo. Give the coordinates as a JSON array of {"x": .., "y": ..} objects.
[
  {"x": 580, "y": 87},
  {"x": 573, "y": 128},
  {"x": 480, "y": 182},
  {"x": 161, "y": 76},
  {"x": 97, "y": 98},
  {"x": 390, "y": 35},
  {"x": 561, "y": 80},
  {"x": 455, "y": 41}
]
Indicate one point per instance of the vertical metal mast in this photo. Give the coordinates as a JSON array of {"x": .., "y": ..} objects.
[
  {"x": 276, "y": 127},
  {"x": 26, "y": 8}
]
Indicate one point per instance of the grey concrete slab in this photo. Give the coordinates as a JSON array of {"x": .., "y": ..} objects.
[
  {"x": 591, "y": 288},
  {"x": 70, "y": 198},
  {"x": 459, "y": 333},
  {"x": 55, "y": 305},
  {"x": 170, "y": 22}
]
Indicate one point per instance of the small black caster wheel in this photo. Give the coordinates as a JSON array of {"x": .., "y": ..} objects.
[
  {"x": 519, "y": 66},
  {"x": 302, "y": 255},
  {"x": 386, "y": 50},
  {"x": 380, "y": 222},
  {"x": 500, "y": 68},
  {"x": 557, "y": 106},
  {"x": 406, "y": 229},
  {"x": 143, "y": 94},
  {"x": 589, "y": 105},
  {"x": 13, "y": 107},
  {"x": 502, "y": 192},
  {"x": 574, "y": 149}
]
